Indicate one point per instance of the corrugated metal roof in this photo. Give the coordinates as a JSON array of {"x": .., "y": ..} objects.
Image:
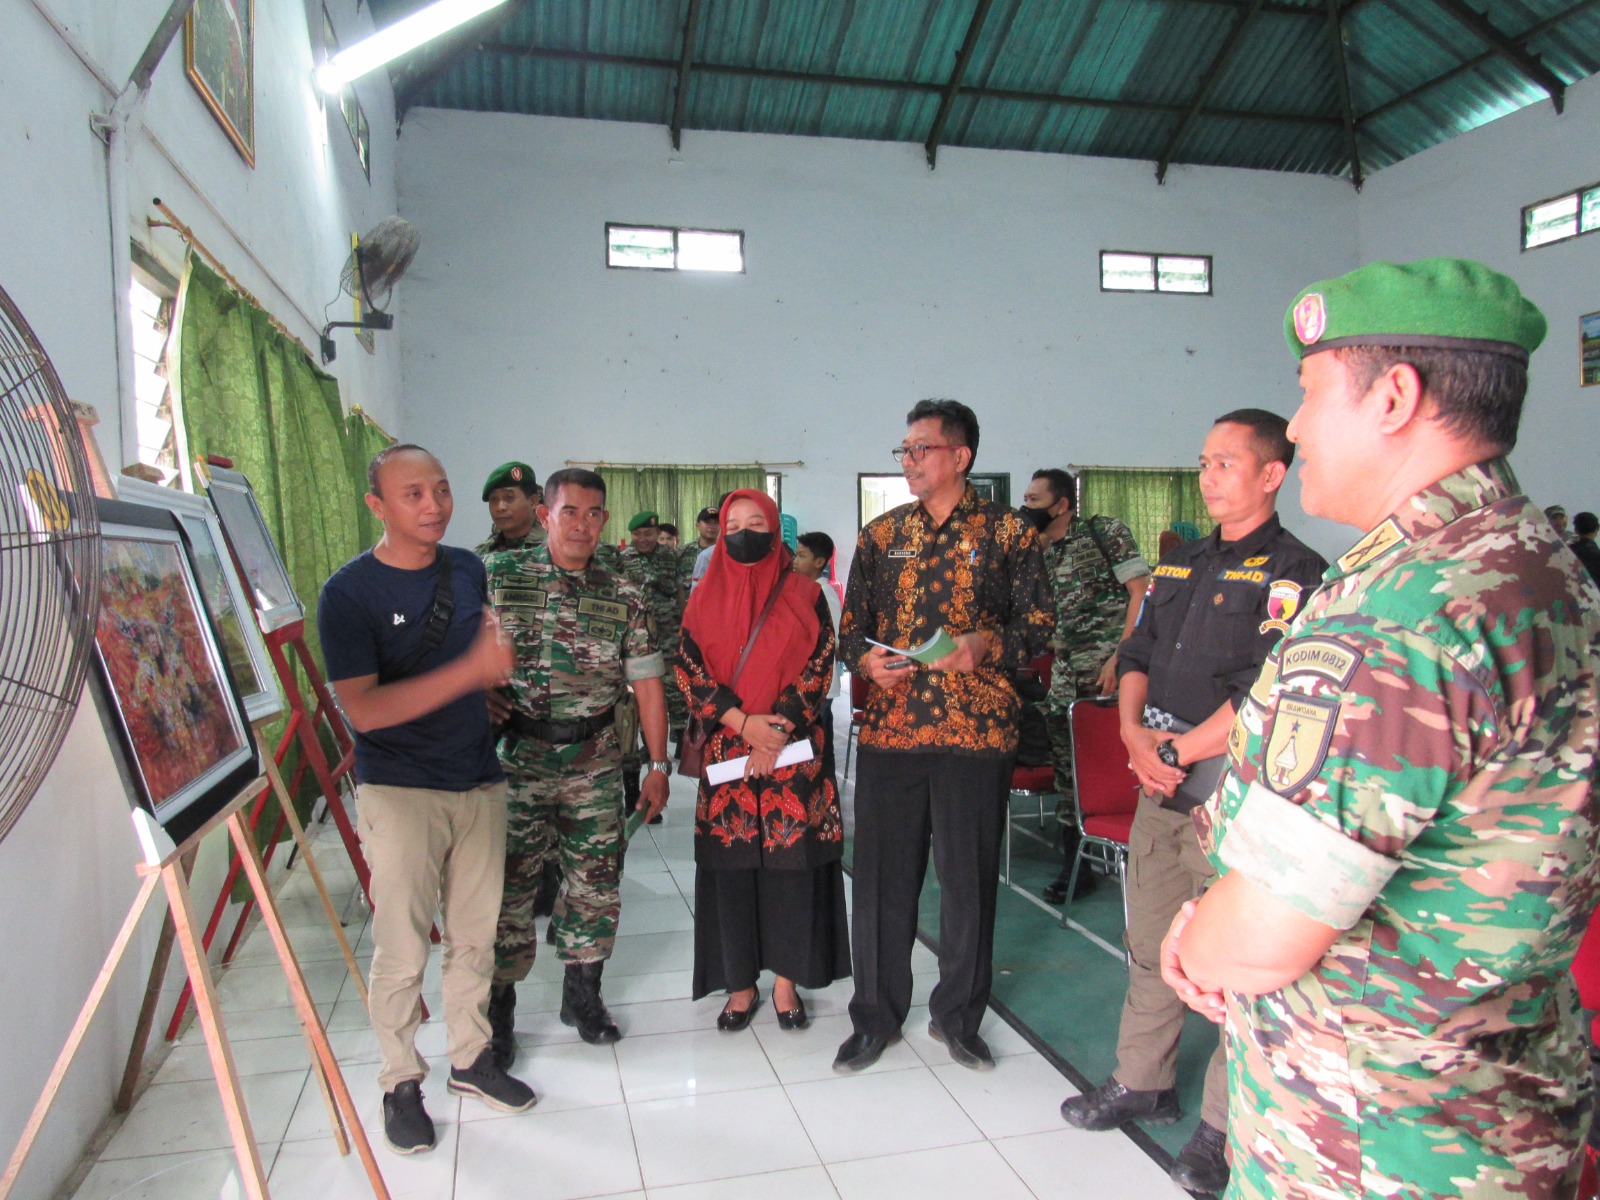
[{"x": 1247, "y": 83}]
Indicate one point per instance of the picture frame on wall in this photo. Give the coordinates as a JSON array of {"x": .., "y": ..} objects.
[
  {"x": 219, "y": 57},
  {"x": 1589, "y": 349},
  {"x": 182, "y": 729},
  {"x": 265, "y": 575},
  {"x": 244, "y": 653}
]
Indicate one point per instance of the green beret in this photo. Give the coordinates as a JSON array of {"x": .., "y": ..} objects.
[
  {"x": 511, "y": 474},
  {"x": 644, "y": 520},
  {"x": 1434, "y": 303}
]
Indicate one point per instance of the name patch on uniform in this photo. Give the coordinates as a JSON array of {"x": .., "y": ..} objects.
[
  {"x": 609, "y": 609},
  {"x": 1302, "y": 728},
  {"x": 1244, "y": 576},
  {"x": 1382, "y": 539},
  {"x": 1259, "y": 560},
  {"x": 902, "y": 554},
  {"x": 1283, "y": 601},
  {"x": 1170, "y": 572},
  {"x": 1325, "y": 657},
  {"x": 511, "y": 596}
]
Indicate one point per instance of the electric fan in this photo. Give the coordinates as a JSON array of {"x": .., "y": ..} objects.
[
  {"x": 371, "y": 272},
  {"x": 49, "y": 564}
]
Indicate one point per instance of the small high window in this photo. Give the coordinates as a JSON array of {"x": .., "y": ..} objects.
[
  {"x": 1561, "y": 217},
  {"x": 662, "y": 248},
  {"x": 1132, "y": 271}
]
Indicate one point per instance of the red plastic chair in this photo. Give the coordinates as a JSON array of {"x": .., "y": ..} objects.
[
  {"x": 1032, "y": 782},
  {"x": 1107, "y": 792},
  {"x": 859, "y": 687}
]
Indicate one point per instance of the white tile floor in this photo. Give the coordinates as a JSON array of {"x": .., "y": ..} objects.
[{"x": 674, "y": 1111}]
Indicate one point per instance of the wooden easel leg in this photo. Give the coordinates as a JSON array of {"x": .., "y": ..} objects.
[
  {"x": 108, "y": 970},
  {"x": 334, "y": 1078},
  {"x": 152, "y": 996},
  {"x": 205, "y": 1002},
  {"x": 287, "y": 805}
]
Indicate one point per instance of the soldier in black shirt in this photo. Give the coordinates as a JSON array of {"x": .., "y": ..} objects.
[{"x": 1214, "y": 609}]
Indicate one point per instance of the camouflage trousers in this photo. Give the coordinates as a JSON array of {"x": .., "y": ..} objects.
[
  {"x": 565, "y": 802},
  {"x": 1065, "y": 687}
]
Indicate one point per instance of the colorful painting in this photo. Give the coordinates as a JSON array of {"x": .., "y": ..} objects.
[
  {"x": 232, "y": 616},
  {"x": 219, "y": 45},
  {"x": 1589, "y": 348},
  {"x": 182, "y": 729}
]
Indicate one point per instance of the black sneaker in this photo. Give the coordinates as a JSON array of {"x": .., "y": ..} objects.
[
  {"x": 491, "y": 1085},
  {"x": 406, "y": 1125}
]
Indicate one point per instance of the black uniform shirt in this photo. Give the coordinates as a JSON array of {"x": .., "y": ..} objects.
[{"x": 1213, "y": 611}]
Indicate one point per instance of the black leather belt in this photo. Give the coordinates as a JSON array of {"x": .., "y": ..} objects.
[{"x": 562, "y": 733}]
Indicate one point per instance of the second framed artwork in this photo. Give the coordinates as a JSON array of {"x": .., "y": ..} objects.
[
  {"x": 246, "y": 527},
  {"x": 1589, "y": 349},
  {"x": 243, "y": 650},
  {"x": 182, "y": 728}
]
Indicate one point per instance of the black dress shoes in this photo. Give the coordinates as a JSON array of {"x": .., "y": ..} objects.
[
  {"x": 794, "y": 1018},
  {"x": 1056, "y": 891},
  {"x": 731, "y": 1020},
  {"x": 859, "y": 1051},
  {"x": 1202, "y": 1165},
  {"x": 971, "y": 1052},
  {"x": 1110, "y": 1104}
]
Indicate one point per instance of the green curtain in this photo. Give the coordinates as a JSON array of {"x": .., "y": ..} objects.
[
  {"x": 1147, "y": 499},
  {"x": 676, "y": 493},
  {"x": 251, "y": 394}
]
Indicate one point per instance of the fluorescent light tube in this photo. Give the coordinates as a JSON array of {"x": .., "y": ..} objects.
[{"x": 400, "y": 38}]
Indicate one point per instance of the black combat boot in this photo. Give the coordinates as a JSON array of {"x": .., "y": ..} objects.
[
  {"x": 502, "y": 1024},
  {"x": 582, "y": 1007},
  {"x": 1056, "y": 892}
]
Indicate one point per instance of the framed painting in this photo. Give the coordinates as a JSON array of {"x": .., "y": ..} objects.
[
  {"x": 265, "y": 575},
  {"x": 244, "y": 653},
  {"x": 182, "y": 729},
  {"x": 1589, "y": 348},
  {"x": 220, "y": 58}
]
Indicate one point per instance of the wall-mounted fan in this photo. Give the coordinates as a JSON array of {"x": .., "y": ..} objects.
[
  {"x": 371, "y": 272},
  {"x": 49, "y": 564}
]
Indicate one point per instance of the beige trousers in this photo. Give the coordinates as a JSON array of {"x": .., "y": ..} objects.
[
  {"x": 430, "y": 853},
  {"x": 1165, "y": 867}
]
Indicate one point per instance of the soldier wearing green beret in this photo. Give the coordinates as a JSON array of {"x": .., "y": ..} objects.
[
  {"x": 1406, "y": 833},
  {"x": 655, "y": 569},
  {"x": 583, "y": 638},
  {"x": 512, "y": 494}
]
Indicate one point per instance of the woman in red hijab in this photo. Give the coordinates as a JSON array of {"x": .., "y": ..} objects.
[{"x": 754, "y": 662}]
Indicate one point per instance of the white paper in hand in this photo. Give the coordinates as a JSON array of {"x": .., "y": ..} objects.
[{"x": 794, "y": 752}]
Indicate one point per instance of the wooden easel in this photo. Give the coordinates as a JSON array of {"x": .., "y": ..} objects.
[
  {"x": 165, "y": 866},
  {"x": 302, "y": 728},
  {"x": 163, "y": 954}
]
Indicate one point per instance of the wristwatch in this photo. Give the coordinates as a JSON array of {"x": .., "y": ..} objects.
[
  {"x": 1168, "y": 753},
  {"x": 664, "y": 766}
]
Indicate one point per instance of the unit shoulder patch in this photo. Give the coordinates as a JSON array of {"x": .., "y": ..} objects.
[
  {"x": 1325, "y": 657},
  {"x": 1297, "y": 745}
]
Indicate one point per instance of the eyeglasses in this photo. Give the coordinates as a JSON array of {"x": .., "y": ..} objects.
[{"x": 917, "y": 453}]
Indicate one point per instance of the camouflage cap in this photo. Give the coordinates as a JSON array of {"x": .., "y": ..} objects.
[
  {"x": 1438, "y": 303},
  {"x": 511, "y": 474},
  {"x": 643, "y": 520}
]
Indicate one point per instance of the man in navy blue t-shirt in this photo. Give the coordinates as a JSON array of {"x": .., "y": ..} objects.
[{"x": 410, "y": 650}]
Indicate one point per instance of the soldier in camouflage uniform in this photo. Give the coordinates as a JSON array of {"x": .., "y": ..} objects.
[
  {"x": 512, "y": 494},
  {"x": 708, "y": 525},
  {"x": 655, "y": 570},
  {"x": 582, "y": 636},
  {"x": 1407, "y": 831},
  {"x": 1097, "y": 579}
]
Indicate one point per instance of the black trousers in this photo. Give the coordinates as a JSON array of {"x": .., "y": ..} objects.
[{"x": 904, "y": 802}]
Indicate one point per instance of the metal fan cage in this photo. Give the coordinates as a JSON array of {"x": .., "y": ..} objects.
[
  {"x": 379, "y": 260},
  {"x": 49, "y": 564}
]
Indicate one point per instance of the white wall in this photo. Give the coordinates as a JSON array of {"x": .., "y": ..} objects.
[
  {"x": 66, "y": 869},
  {"x": 1465, "y": 198},
  {"x": 871, "y": 283}
]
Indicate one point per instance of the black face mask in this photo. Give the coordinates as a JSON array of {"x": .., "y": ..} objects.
[
  {"x": 1037, "y": 517},
  {"x": 748, "y": 545}
]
